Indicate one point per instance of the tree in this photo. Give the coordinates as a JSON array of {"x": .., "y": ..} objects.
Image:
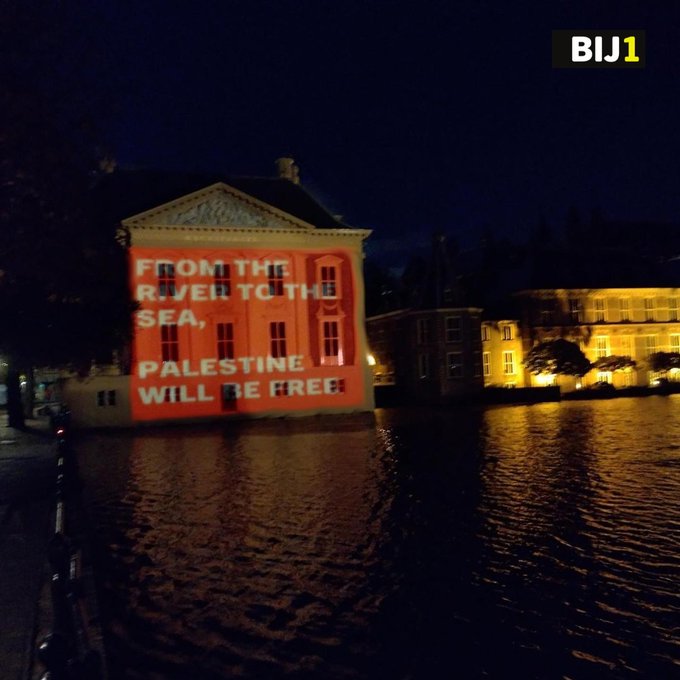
[
  {"x": 62, "y": 290},
  {"x": 662, "y": 362},
  {"x": 614, "y": 363},
  {"x": 557, "y": 357}
]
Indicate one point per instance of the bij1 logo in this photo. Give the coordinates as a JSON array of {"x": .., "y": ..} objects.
[{"x": 598, "y": 49}]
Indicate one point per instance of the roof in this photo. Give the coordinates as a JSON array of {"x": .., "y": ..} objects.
[{"x": 125, "y": 193}]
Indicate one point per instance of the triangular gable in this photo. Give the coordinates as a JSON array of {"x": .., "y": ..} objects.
[{"x": 218, "y": 205}]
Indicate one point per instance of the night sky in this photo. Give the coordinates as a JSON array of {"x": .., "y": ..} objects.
[{"x": 404, "y": 117}]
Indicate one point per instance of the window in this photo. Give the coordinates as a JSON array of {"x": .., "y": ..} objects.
[
  {"x": 230, "y": 392},
  {"x": 172, "y": 395},
  {"x": 599, "y": 309},
  {"x": 575, "y": 310},
  {"x": 166, "y": 280},
  {"x": 275, "y": 276},
  {"x": 604, "y": 376},
  {"x": 650, "y": 344},
  {"x": 486, "y": 363},
  {"x": 222, "y": 280},
  {"x": 452, "y": 329},
  {"x": 336, "y": 386},
  {"x": 506, "y": 332},
  {"x": 169, "y": 342},
  {"x": 675, "y": 343},
  {"x": 649, "y": 309},
  {"x": 331, "y": 339},
  {"x": 423, "y": 366},
  {"x": 486, "y": 334},
  {"x": 423, "y": 331},
  {"x": 509, "y": 363},
  {"x": 454, "y": 363},
  {"x": 624, "y": 309},
  {"x": 281, "y": 388},
  {"x": 225, "y": 340},
  {"x": 602, "y": 347},
  {"x": 328, "y": 282},
  {"x": 277, "y": 339},
  {"x": 673, "y": 309},
  {"x": 106, "y": 398},
  {"x": 476, "y": 366}
]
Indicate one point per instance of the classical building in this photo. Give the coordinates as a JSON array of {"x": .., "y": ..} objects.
[
  {"x": 250, "y": 304},
  {"x": 631, "y": 322}
]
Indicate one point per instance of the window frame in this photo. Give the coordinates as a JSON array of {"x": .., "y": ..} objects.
[
  {"x": 423, "y": 331},
  {"x": 453, "y": 334},
  {"x": 328, "y": 281},
  {"x": 509, "y": 363},
  {"x": 167, "y": 279},
  {"x": 486, "y": 364},
  {"x": 275, "y": 276},
  {"x": 169, "y": 342},
  {"x": 222, "y": 280},
  {"x": 459, "y": 365},
  {"x": 225, "y": 340},
  {"x": 277, "y": 339}
]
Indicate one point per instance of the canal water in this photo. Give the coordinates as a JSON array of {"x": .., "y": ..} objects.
[{"x": 534, "y": 541}]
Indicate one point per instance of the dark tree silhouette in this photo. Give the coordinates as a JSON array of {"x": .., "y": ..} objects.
[
  {"x": 62, "y": 291},
  {"x": 663, "y": 362},
  {"x": 558, "y": 357},
  {"x": 614, "y": 363}
]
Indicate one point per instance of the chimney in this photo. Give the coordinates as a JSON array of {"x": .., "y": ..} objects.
[{"x": 286, "y": 169}]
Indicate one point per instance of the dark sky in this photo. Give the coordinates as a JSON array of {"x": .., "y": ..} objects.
[{"x": 406, "y": 117}]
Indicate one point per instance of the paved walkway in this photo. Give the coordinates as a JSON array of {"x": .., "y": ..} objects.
[{"x": 27, "y": 486}]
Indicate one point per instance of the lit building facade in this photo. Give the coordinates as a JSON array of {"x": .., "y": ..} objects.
[
  {"x": 429, "y": 355},
  {"x": 632, "y": 322},
  {"x": 502, "y": 354},
  {"x": 244, "y": 310}
]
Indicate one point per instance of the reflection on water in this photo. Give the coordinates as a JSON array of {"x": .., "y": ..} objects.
[{"x": 535, "y": 542}]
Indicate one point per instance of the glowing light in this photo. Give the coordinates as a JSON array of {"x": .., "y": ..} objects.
[
  {"x": 545, "y": 379},
  {"x": 371, "y": 360},
  {"x": 579, "y": 385}
]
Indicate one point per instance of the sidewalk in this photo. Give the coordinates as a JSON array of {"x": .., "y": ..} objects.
[{"x": 27, "y": 486}]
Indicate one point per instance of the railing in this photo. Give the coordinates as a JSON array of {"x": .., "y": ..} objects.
[{"x": 66, "y": 651}]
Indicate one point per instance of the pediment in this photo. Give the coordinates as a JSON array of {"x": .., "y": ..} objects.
[{"x": 218, "y": 205}]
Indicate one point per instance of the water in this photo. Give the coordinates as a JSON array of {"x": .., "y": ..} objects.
[{"x": 519, "y": 541}]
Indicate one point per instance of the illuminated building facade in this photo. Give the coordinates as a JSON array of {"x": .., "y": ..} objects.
[
  {"x": 502, "y": 354},
  {"x": 247, "y": 308},
  {"x": 626, "y": 322},
  {"x": 429, "y": 355}
]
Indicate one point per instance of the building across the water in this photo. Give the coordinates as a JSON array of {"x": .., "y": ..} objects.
[
  {"x": 251, "y": 303},
  {"x": 433, "y": 354},
  {"x": 430, "y": 355},
  {"x": 604, "y": 322}
]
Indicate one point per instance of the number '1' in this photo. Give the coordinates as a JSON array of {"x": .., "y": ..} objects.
[{"x": 630, "y": 41}]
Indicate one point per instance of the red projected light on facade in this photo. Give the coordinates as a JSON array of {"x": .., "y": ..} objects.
[{"x": 243, "y": 331}]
